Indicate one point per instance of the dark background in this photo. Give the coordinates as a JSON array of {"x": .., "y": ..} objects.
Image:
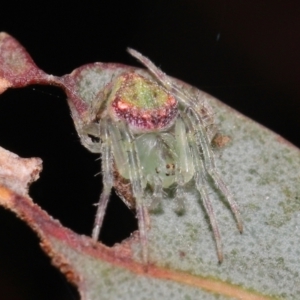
[{"x": 246, "y": 53}]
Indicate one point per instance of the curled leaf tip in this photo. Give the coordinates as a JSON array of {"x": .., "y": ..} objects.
[
  {"x": 17, "y": 173},
  {"x": 4, "y": 85}
]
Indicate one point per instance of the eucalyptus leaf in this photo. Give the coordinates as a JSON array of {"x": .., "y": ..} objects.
[{"x": 260, "y": 168}]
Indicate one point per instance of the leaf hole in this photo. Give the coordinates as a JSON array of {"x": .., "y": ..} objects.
[{"x": 119, "y": 222}]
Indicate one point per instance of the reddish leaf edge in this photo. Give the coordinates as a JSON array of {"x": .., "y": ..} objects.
[{"x": 49, "y": 229}]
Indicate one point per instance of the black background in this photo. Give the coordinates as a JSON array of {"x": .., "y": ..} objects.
[{"x": 246, "y": 53}]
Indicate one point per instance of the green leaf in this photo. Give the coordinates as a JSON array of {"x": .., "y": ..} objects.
[{"x": 260, "y": 168}]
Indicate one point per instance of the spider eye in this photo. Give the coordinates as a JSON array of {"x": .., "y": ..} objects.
[{"x": 170, "y": 169}]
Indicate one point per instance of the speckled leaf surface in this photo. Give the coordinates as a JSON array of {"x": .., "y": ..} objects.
[{"x": 262, "y": 171}]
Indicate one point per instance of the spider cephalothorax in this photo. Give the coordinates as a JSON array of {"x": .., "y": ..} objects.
[{"x": 154, "y": 133}]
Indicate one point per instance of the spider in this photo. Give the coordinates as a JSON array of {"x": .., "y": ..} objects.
[{"x": 151, "y": 132}]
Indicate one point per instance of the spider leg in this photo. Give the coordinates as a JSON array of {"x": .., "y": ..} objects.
[
  {"x": 190, "y": 159},
  {"x": 135, "y": 178},
  {"x": 157, "y": 194},
  {"x": 184, "y": 166},
  {"x": 200, "y": 184},
  {"x": 108, "y": 178},
  {"x": 180, "y": 205},
  {"x": 204, "y": 149},
  {"x": 161, "y": 76}
]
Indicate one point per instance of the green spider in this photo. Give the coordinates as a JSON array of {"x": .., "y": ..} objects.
[{"x": 152, "y": 133}]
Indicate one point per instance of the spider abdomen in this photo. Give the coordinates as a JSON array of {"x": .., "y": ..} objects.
[{"x": 142, "y": 104}]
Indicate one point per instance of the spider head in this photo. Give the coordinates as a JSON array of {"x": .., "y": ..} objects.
[{"x": 144, "y": 105}]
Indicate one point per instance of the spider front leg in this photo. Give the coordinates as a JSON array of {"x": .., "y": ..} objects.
[
  {"x": 200, "y": 185},
  {"x": 132, "y": 163},
  {"x": 190, "y": 162},
  {"x": 196, "y": 125},
  {"x": 107, "y": 175}
]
